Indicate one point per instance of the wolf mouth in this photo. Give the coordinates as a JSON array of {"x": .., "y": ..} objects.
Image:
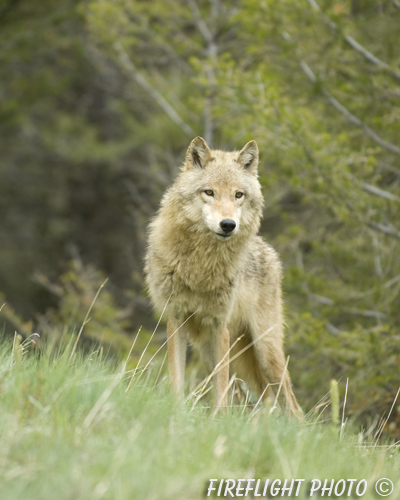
[{"x": 223, "y": 235}]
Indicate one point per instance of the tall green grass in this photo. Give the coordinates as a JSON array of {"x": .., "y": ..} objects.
[{"x": 71, "y": 430}]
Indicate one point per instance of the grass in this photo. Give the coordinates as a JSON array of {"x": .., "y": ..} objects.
[{"x": 71, "y": 430}]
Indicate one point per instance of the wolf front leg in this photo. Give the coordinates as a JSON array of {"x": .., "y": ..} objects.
[
  {"x": 176, "y": 345},
  {"x": 221, "y": 377}
]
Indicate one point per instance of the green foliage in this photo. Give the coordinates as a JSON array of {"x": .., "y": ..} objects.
[{"x": 83, "y": 300}]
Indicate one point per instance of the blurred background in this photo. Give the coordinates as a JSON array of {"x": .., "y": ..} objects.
[{"x": 99, "y": 101}]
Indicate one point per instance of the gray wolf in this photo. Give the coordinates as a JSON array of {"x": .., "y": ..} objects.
[{"x": 205, "y": 262}]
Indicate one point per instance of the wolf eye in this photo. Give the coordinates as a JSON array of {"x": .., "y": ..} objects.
[
  {"x": 239, "y": 194},
  {"x": 209, "y": 192}
]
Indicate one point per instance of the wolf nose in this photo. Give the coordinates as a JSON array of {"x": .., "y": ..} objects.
[{"x": 227, "y": 225}]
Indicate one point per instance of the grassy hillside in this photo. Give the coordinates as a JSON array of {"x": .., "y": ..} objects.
[{"x": 71, "y": 430}]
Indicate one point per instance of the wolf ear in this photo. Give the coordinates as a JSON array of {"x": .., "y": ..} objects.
[
  {"x": 248, "y": 157},
  {"x": 198, "y": 153}
]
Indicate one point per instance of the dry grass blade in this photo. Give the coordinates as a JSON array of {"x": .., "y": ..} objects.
[
  {"x": 371, "y": 428},
  {"x": 344, "y": 408},
  {"x": 202, "y": 393},
  {"x": 231, "y": 382},
  {"x": 280, "y": 387},
  {"x": 394, "y": 445},
  {"x": 380, "y": 430},
  {"x": 246, "y": 401},
  {"x": 236, "y": 390},
  {"x": 100, "y": 402},
  {"x": 148, "y": 343},
  {"x": 259, "y": 400},
  {"x": 325, "y": 406},
  {"x": 220, "y": 365},
  {"x": 380, "y": 424},
  {"x": 319, "y": 422},
  {"x": 161, "y": 367},
  {"x": 317, "y": 405},
  {"x": 86, "y": 319},
  {"x": 203, "y": 384},
  {"x": 131, "y": 349},
  {"x": 164, "y": 343}
]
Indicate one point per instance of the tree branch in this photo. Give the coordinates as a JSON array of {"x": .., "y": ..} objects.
[
  {"x": 161, "y": 101},
  {"x": 380, "y": 192},
  {"x": 389, "y": 230},
  {"x": 354, "y": 44},
  {"x": 344, "y": 111},
  {"x": 212, "y": 53},
  {"x": 367, "y": 313},
  {"x": 203, "y": 28}
]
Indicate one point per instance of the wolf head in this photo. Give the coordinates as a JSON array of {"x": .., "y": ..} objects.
[{"x": 218, "y": 192}]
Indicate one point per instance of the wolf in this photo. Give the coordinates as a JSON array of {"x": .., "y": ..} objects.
[{"x": 217, "y": 281}]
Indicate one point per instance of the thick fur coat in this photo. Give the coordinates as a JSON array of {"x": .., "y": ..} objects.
[{"x": 205, "y": 262}]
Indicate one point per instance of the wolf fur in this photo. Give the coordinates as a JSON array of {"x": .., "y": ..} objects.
[{"x": 205, "y": 262}]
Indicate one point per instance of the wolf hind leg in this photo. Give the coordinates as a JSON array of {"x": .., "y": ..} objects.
[
  {"x": 247, "y": 367},
  {"x": 272, "y": 363}
]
